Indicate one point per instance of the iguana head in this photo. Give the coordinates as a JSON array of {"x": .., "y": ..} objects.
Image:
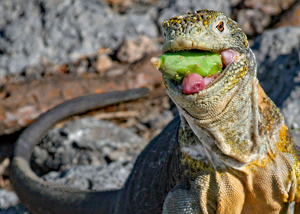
[
  {"x": 210, "y": 31},
  {"x": 203, "y": 30}
]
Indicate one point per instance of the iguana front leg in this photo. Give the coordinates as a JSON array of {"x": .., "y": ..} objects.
[{"x": 234, "y": 140}]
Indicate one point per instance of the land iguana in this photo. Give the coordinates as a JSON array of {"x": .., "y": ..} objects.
[{"x": 229, "y": 152}]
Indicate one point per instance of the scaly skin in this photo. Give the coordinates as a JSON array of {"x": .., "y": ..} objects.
[
  {"x": 234, "y": 140},
  {"x": 229, "y": 153}
]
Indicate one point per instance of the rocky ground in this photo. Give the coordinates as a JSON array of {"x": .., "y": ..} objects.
[{"x": 52, "y": 51}]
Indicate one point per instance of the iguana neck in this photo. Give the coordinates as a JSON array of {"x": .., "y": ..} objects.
[{"x": 231, "y": 136}]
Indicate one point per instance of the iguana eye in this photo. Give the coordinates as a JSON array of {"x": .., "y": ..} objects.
[{"x": 220, "y": 26}]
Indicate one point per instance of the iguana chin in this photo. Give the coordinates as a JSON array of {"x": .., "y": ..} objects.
[{"x": 230, "y": 151}]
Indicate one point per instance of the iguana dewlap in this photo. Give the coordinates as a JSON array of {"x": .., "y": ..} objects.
[{"x": 229, "y": 153}]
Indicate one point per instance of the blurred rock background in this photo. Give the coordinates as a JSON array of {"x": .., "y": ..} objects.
[{"x": 55, "y": 50}]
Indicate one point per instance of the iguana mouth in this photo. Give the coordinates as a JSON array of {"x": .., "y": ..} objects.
[{"x": 194, "y": 83}]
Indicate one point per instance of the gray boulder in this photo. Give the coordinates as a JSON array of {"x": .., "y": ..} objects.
[
  {"x": 86, "y": 141},
  {"x": 34, "y": 32},
  {"x": 59, "y": 31},
  {"x": 10, "y": 204}
]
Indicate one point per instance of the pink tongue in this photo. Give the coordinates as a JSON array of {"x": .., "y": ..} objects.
[{"x": 193, "y": 83}]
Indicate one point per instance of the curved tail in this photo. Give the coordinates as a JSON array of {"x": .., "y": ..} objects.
[{"x": 44, "y": 197}]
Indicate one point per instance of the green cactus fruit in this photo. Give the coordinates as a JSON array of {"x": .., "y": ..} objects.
[{"x": 177, "y": 65}]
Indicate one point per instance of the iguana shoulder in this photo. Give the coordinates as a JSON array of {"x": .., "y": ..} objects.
[{"x": 271, "y": 116}]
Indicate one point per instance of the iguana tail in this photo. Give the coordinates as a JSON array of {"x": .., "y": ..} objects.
[{"x": 42, "y": 197}]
